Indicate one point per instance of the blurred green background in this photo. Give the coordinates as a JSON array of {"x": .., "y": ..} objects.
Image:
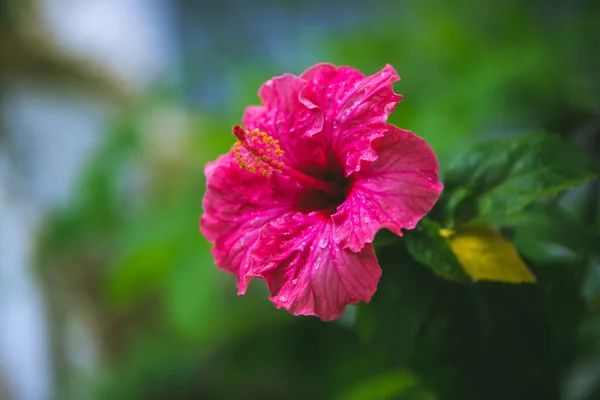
[{"x": 111, "y": 109}]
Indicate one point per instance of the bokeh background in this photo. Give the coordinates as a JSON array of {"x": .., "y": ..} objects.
[{"x": 111, "y": 108}]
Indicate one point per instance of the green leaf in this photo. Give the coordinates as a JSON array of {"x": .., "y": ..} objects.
[
  {"x": 385, "y": 386},
  {"x": 547, "y": 234},
  {"x": 503, "y": 176},
  {"x": 401, "y": 303},
  {"x": 430, "y": 249}
]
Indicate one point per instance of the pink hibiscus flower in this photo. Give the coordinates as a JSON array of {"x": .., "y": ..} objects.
[{"x": 314, "y": 175}]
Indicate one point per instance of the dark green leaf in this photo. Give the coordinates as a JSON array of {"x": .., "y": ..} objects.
[
  {"x": 400, "y": 306},
  {"x": 547, "y": 234},
  {"x": 427, "y": 247},
  {"x": 503, "y": 176}
]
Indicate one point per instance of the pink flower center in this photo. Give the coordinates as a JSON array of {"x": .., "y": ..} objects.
[
  {"x": 326, "y": 187},
  {"x": 314, "y": 199}
]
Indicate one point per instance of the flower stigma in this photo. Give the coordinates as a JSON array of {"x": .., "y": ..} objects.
[{"x": 255, "y": 151}]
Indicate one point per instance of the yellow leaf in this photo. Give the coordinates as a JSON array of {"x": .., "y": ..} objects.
[{"x": 486, "y": 255}]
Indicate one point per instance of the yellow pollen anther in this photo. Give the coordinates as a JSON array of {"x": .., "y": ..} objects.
[{"x": 257, "y": 151}]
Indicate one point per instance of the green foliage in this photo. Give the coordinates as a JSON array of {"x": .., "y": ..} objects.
[
  {"x": 457, "y": 329},
  {"x": 390, "y": 385},
  {"x": 429, "y": 248},
  {"x": 548, "y": 234},
  {"x": 444, "y": 332},
  {"x": 401, "y": 305},
  {"x": 496, "y": 178}
]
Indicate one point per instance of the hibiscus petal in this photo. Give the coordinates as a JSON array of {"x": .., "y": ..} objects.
[
  {"x": 354, "y": 108},
  {"x": 287, "y": 119},
  {"x": 394, "y": 192},
  {"x": 327, "y": 85},
  {"x": 236, "y": 205},
  {"x": 307, "y": 272}
]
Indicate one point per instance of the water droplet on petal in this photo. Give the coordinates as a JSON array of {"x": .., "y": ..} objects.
[
  {"x": 316, "y": 265},
  {"x": 323, "y": 242},
  {"x": 294, "y": 282},
  {"x": 366, "y": 219},
  {"x": 282, "y": 298}
]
